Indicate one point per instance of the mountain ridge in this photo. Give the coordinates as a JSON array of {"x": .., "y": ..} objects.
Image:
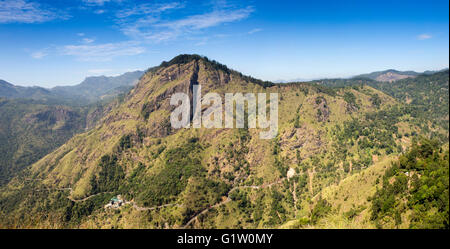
[
  {"x": 372, "y": 75},
  {"x": 91, "y": 89}
]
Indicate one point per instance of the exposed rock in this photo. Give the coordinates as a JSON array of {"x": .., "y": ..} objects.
[{"x": 323, "y": 111}]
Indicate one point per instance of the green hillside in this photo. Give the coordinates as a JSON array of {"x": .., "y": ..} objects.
[{"x": 218, "y": 178}]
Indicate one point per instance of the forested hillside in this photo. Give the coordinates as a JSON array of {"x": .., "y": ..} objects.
[
  {"x": 30, "y": 129},
  {"x": 415, "y": 189}
]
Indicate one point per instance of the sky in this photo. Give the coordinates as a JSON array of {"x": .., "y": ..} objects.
[{"x": 60, "y": 42}]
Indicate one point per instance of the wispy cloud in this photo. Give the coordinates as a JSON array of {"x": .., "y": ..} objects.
[
  {"x": 138, "y": 22},
  {"x": 103, "y": 52},
  {"x": 151, "y": 27},
  {"x": 148, "y": 23},
  {"x": 254, "y": 31},
  {"x": 208, "y": 20},
  {"x": 21, "y": 11},
  {"x": 424, "y": 37},
  {"x": 100, "y": 11},
  {"x": 87, "y": 40},
  {"x": 38, "y": 54},
  {"x": 99, "y": 2},
  {"x": 147, "y": 8}
]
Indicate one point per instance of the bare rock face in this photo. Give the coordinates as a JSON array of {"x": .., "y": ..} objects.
[
  {"x": 323, "y": 111},
  {"x": 350, "y": 108},
  {"x": 391, "y": 77},
  {"x": 305, "y": 139}
]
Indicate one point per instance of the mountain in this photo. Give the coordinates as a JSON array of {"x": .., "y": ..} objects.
[
  {"x": 389, "y": 75},
  {"x": 8, "y": 90},
  {"x": 100, "y": 87},
  {"x": 221, "y": 178},
  {"x": 92, "y": 89}
]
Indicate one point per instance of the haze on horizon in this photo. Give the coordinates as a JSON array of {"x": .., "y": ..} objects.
[{"x": 49, "y": 43}]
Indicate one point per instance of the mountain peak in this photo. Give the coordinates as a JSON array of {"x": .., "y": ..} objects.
[
  {"x": 389, "y": 75},
  {"x": 182, "y": 59},
  {"x": 211, "y": 64},
  {"x": 187, "y": 58}
]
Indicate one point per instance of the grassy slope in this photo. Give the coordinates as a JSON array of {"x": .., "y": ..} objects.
[{"x": 351, "y": 193}]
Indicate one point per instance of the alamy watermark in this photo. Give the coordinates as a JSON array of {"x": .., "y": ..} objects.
[{"x": 212, "y": 116}]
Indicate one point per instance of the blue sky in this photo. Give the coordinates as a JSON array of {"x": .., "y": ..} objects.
[{"x": 60, "y": 42}]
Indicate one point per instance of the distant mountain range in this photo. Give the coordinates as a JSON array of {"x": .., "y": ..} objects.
[
  {"x": 100, "y": 87},
  {"x": 9, "y": 90},
  {"x": 389, "y": 75},
  {"x": 90, "y": 90}
]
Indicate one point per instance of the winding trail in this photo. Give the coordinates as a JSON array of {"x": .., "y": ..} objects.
[
  {"x": 228, "y": 199},
  {"x": 135, "y": 206},
  {"x": 110, "y": 192},
  {"x": 71, "y": 191}
]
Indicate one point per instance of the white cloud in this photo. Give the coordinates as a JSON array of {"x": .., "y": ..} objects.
[
  {"x": 87, "y": 40},
  {"x": 103, "y": 52},
  {"x": 80, "y": 34},
  {"x": 98, "y": 2},
  {"x": 151, "y": 27},
  {"x": 38, "y": 55},
  {"x": 254, "y": 31},
  {"x": 99, "y": 12},
  {"x": 146, "y": 9},
  {"x": 22, "y": 11},
  {"x": 208, "y": 20},
  {"x": 424, "y": 37}
]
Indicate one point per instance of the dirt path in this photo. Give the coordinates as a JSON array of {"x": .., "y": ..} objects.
[
  {"x": 135, "y": 206},
  {"x": 206, "y": 210},
  {"x": 77, "y": 200}
]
